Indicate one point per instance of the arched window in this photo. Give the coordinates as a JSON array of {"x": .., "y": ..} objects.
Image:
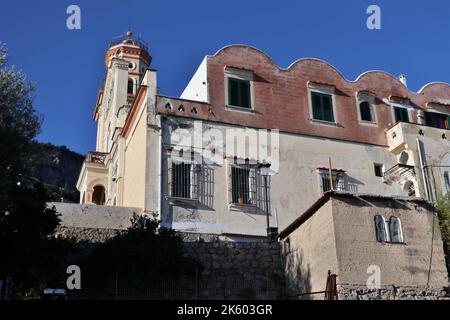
[
  {"x": 395, "y": 229},
  {"x": 404, "y": 158},
  {"x": 447, "y": 181},
  {"x": 98, "y": 196},
  {"x": 130, "y": 89},
  {"x": 365, "y": 111},
  {"x": 410, "y": 188},
  {"x": 380, "y": 229}
]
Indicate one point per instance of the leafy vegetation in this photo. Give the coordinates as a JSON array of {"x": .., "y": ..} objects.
[
  {"x": 30, "y": 256},
  {"x": 443, "y": 211},
  {"x": 137, "y": 258}
]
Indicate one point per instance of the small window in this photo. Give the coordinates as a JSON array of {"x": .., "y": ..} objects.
[
  {"x": 378, "y": 169},
  {"x": 130, "y": 89},
  {"x": 380, "y": 229},
  {"x": 401, "y": 114},
  {"x": 365, "y": 111},
  {"x": 239, "y": 93},
  {"x": 437, "y": 120},
  {"x": 395, "y": 230},
  {"x": 181, "y": 180},
  {"x": 322, "y": 105},
  {"x": 338, "y": 180},
  {"x": 243, "y": 182}
]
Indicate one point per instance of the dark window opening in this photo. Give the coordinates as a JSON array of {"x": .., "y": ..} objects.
[
  {"x": 240, "y": 185},
  {"x": 338, "y": 181},
  {"x": 130, "y": 86},
  {"x": 437, "y": 120},
  {"x": 401, "y": 114},
  {"x": 239, "y": 93},
  {"x": 322, "y": 106},
  {"x": 365, "y": 111},
  {"x": 395, "y": 230},
  {"x": 380, "y": 229},
  {"x": 378, "y": 169},
  {"x": 181, "y": 180}
]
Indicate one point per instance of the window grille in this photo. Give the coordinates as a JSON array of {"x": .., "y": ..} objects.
[
  {"x": 338, "y": 180},
  {"x": 183, "y": 178},
  {"x": 248, "y": 186}
]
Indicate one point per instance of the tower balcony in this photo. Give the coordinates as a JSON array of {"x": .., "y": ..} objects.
[{"x": 93, "y": 179}]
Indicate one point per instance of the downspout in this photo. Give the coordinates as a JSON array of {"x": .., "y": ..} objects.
[
  {"x": 422, "y": 168},
  {"x": 160, "y": 169}
]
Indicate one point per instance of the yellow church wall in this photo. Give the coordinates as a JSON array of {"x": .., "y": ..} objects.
[{"x": 135, "y": 158}]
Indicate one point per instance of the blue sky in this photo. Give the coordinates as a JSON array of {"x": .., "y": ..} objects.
[{"x": 67, "y": 65}]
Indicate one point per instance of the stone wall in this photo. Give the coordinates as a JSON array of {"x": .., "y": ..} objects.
[
  {"x": 236, "y": 270},
  {"x": 349, "y": 292}
]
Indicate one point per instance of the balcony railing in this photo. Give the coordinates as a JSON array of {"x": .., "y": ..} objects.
[{"x": 96, "y": 157}]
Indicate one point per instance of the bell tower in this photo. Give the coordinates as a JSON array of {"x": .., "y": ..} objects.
[{"x": 127, "y": 60}]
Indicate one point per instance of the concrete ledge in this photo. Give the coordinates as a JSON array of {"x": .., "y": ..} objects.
[{"x": 90, "y": 216}]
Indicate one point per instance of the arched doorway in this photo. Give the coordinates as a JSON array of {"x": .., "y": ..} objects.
[{"x": 98, "y": 196}]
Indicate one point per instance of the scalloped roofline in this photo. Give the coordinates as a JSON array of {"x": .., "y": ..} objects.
[
  {"x": 432, "y": 83},
  {"x": 327, "y": 63}
]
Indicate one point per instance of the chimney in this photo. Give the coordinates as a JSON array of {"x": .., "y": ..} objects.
[{"x": 402, "y": 79}]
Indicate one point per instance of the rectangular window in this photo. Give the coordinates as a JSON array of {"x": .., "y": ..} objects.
[
  {"x": 365, "y": 111},
  {"x": 401, "y": 114},
  {"x": 437, "y": 120},
  {"x": 239, "y": 93},
  {"x": 378, "y": 169},
  {"x": 243, "y": 184},
  {"x": 338, "y": 180},
  {"x": 181, "y": 180},
  {"x": 322, "y": 105}
]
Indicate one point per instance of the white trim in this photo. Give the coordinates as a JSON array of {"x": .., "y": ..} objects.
[
  {"x": 322, "y": 90},
  {"x": 239, "y": 74}
]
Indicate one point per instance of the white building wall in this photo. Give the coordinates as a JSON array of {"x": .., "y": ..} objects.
[
  {"x": 293, "y": 189},
  {"x": 197, "y": 88}
]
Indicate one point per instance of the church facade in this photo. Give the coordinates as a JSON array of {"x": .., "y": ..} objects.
[{"x": 249, "y": 146}]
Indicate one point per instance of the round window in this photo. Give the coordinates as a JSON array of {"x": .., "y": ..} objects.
[{"x": 131, "y": 66}]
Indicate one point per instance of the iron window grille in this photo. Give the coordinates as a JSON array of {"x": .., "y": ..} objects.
[
  {"x": 248, "y": 186},
  {"x": 338, "y": 180},
  {"x": 183, "y": 177}
]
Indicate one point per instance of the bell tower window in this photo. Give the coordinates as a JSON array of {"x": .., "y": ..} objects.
[{"x": 130, "y": 87}]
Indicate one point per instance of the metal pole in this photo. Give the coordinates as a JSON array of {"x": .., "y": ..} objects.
[
  {"x": 330, "y": 173},
  {"x": 422, "y": 166}
]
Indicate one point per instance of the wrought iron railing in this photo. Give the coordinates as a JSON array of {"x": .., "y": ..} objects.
[{"x": 96, "y": 157}]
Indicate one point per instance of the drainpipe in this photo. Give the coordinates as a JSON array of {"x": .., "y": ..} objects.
[
  {"x": 160, "y": 169},
  {"x": 422, "y": 167}
]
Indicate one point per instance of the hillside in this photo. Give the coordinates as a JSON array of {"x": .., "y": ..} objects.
[{"x": 58, "y": 168}]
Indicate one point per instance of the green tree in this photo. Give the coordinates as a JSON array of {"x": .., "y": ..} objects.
[
  {"x": 137, "y": 258},
  {"x": 26, "y": 223},
  {"x": 443, "y": 212}
]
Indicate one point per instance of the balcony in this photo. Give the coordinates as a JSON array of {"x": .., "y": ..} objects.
[
  {"x": 403, "y": 136},
  {"x": 96, "y": 157}
]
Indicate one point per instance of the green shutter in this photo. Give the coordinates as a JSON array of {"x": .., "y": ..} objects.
[
  {"x": 447, "y": 125},
  {"x": 327, "y": 108},
  {"x": 428, "y": 119},
  {"x": 245, "y": 94},
  {"x": 405, "y": 115},
  {"x": 322, "y": 105},
  {"x": 233, "y": 92},
  {"x": 317, "y": 110}
]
